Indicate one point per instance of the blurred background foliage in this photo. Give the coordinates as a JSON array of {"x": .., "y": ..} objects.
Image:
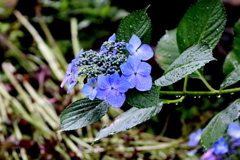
[{"x": 38, "y": 38}]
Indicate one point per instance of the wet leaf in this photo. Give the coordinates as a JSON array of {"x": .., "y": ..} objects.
[
  {"x": 137, "y": 23},
  {"x": 232, "y": 60},
  {"x": 189, "y": 61},
  {"x": 203, "y": 21},
  {"x": 143, "y": 99},
  {"x": 232, "y": 78},
  {"x": 82, "y": 113},
  {"x": 129, "y": 119},
  {"x": 167, "y": 49},
  {"x": 217, "y": 127}
]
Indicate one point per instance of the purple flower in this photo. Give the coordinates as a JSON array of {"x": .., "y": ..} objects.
[
  {"x": 234, "y": 130},
  {"x": 112, "y": 89},
  {"x": 208, "y": 155},
  {"x": 144, "y": 52},
  {"x": 90, "y": 88},
  {"x": 137, "y": 73},
  {"x": 72, "y": 73},
  {"x": 194, "y": 138},
  {"x": 220, "y": 146}
]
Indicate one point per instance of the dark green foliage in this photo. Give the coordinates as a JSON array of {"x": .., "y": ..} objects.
[
  {"x": 143, "y": 99},
  {"x": 137, "y": 23}
]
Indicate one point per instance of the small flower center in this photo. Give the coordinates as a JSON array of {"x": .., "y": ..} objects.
[
  {"x": 135, "y": 73},
  {"x": 112, "y": 88}
]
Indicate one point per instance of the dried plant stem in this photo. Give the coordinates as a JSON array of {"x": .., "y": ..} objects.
[
  {"x": 72, "y": 146},
  {"x": 56, "y": 50},
  {"x": 45, "y": 50},
  {"x": 74, "y": 33}
]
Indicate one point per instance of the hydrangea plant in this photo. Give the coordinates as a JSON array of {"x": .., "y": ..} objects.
[{"x": 119, "y": 74}]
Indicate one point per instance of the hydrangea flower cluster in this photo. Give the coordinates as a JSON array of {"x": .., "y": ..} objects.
[
  {"x": 222, "y": 148},
  {"x": 117, "y": 67}
]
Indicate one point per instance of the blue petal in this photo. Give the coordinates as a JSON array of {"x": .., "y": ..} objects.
[
  {"x": 144, "y": 69},
  {"x": 134, "y": 62},
  {"x": 65, "y": 79},
  {"x": 126, "y": 69},
  {"x": 143, "y": 83},
  {"x": 234, "y": 130},
  {"x": 103, "y": 82},
  {"x": 87, "y": 89},
  {"x": 93, "y": 94},
  {"x": 102, "y": 93},
  {"x": 131, "y": 49},
  {"x": 112, "y": 38},
  {"x": 70, "y": 86},
  {"x": 92, "y": 82},
  {"x": 116, "y": 99},
  {"x": 145, "y": 51},
  {"x": 81, "y": 52},
  {"x": 220, "y": 146},
  {"x": 135, "y": 41},
  {"x": 123, "y": 85},
  {"x": 132, "y": 80},
  {"x": 114, "y": 79},
  {"x": 192, "y": 143}
]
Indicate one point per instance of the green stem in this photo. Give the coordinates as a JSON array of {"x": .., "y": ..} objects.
[
  {"x": 205, "y": 82},
  {"x": 199, "y": 93},
  {"x": 174, "y": 101},
  {"x": 185, "y": 84}
]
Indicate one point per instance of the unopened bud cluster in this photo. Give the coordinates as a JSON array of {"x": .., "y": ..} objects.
[{"x": 106, "y": 62}]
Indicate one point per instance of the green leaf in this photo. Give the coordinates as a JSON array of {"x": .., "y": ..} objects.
[
  {"x": 129, "y": 119},
  {"x": 217, "y": 127},
  {"x": 167, "y": 49},
  {"x": 143, "y": 99},
  {"x": 189, "y": 61},
  {"x": 233, "y": 58},
  {"x": 203, "y": 21},
  {"x": 82, "y": 113},
  {"x": 232, "y": 78},
  {"x": 231, "y": 62},
  {"x": 137, "y": 23}
]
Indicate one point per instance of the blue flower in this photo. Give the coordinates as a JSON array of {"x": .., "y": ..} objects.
[
  {"x": 72, "y": 73},
  {"x": 144, "y": 52},
  {"x": 112, "y": 89},
  {"x": 90, "y": 88},
  {"x": 194, "y": 138},
  {"x": 234, "y": 130},
  {"x": 220, "y": 146},
  {"x": 137, "y": 73},
  {"x": 112, "y": 38}
]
